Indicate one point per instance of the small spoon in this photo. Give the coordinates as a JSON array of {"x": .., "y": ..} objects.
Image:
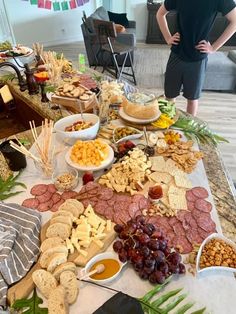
[{"x": 98, "y": 270}]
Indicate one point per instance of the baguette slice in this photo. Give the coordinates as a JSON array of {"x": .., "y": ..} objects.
[
  {"x": 69, "y": 282},
  {"x": 55, "y": 260},
  {"x": 73, "y": 206},
  {"x": 56, "y": 302},
  {"x": 62, "y": 219},
  {"x": 44, "y": 281},
  {"x": 50, "y": 243},
  {"x": 63, "y": 267},
  {"x": 60, "y": 230},
  {"x": 77, "y": 204},
  {"x": 44, "y": 258},
  {"x": 63, "y": 213}
]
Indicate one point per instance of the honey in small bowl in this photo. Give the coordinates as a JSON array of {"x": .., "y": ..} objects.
[{"x": 112, "y": 267}]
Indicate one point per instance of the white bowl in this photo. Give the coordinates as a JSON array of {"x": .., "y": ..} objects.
[
  {"x": 83, "y": 135},
  {"x": 97, "y": 258},
  {"x": 214, "y": 268},
  {"x": 135, "y": 136}
]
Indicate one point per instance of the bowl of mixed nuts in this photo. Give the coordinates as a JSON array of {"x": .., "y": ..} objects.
[
  {"x": 216, "y": 253},
  {"x": 65, "y": 180}
]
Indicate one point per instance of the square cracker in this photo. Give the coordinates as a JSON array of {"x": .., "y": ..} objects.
[
  {"x": 178, "y": 201},
  {"x": 161, "y": 177},
  {"x": 158, "y": 163},
  {"x": 171, "y": 167},
  {"x": 182, "y": 181}
]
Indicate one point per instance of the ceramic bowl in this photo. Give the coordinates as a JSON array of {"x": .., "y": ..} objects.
[
  {"x": 84, "y": 135},
  {"x": 214, "y": 268},
  {"x": 99, "y": 257},
  {"x": 135, "y": 136}
]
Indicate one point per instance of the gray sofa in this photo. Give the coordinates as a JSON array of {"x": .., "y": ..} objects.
[
  {"x": 90, "y": 38},
  {"x": 221, "y": 72}
]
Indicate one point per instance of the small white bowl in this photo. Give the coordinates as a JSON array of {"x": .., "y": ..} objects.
[
  {"x": 83, "y": 135},
  {"x": 97, "y": 258},
  {"x": 135, "y": 136},
  {"x": 214, "y": 268}
]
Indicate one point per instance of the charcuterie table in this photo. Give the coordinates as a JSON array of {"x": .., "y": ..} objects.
[{"x": 206, "y": 205}]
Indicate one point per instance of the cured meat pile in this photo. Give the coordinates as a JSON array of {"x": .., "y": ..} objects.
[
  {"x": 87, "y": 81},
  {"x": 188, "y": 227},
  {"x": 118, "y": 208},
  {"x": 46, "y": 197}
]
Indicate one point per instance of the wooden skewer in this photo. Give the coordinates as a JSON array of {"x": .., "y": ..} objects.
[{"x": 98, "y": 270}]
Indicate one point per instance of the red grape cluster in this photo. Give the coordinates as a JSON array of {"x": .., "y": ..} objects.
[{"x": 145, "y": 247}]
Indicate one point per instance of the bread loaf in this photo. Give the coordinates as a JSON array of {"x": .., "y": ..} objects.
[
  {"x": 44, "y": 281},
  {"x": 50, "y": 243},
  {"x": 57, "y": 302},
  {"x": 141, "y": 111},
  {"x": 69, "y": 282},
  {"x": 63, "y": 219},
  {"x": 44, "y": 258},
  {"x": 58, "y": 229},
  {"x": 55, "y": 260},
  {"x": 63, "y": 267}
]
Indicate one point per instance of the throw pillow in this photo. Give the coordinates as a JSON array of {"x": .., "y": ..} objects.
[
  {"x": 119, "y": 28},
  {"x": 232, "y": 55},
  {"x": 119, "y": 18}
]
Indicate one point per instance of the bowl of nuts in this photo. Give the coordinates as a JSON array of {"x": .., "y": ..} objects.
[
  {"x": 65, "y": 180},
  {"x": 216, "y": 253}
]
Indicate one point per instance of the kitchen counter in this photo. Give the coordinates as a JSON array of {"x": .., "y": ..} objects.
[{"x": 220, "y": 183}]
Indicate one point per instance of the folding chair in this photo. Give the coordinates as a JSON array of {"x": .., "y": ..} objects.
[{"x": 120, "y": 54}]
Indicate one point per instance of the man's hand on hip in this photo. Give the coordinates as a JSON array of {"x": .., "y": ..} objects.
[
  {"x": 205, "y": 47},
  {"x": 174, "y": 40}
]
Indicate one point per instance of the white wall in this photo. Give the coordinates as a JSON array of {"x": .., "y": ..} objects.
[
  {"x": 137, "y": 10},
  {"x": 31, "y": 24}
]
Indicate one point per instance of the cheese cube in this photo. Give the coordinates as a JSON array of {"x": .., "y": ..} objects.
[{"x": 108, "y": 227}]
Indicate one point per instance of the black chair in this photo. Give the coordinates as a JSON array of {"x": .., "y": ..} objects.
[{"x": 108, "y": 45}]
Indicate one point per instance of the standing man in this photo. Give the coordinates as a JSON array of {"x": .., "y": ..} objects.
[{"x": 190, "y": 46}]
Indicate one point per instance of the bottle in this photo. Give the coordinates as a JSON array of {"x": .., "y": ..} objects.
[{"x": 81, "y": 62}]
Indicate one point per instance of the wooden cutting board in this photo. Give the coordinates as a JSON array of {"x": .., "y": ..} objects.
[{"x": 26, "y": 285}]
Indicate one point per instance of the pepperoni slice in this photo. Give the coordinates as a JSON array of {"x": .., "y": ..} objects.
[
  {"x": 193, "y": 236},
  {"x": 200, "y": 192},
  {"x": 44, "y": 197},
  {"x": 39, "y": 189},
  {"x": 206, "y": 223},
  {"x": 190, "y": 196},
  {"x": 31, "y": 203},
  {"x": 196, "y": 213},
  {"x": 203, "y": 205},
  {"x": 100, "y": 207},
  {"x": 56, "y": 206},
  {"x": 69, "y": 194},
  {"x": 190, "y": 205},
  {"x": 51, "y": 188},
  {"x": 56, "y": 197},
  {"x": 106, "y": 194},
  {"x": 43, "y": 207}
]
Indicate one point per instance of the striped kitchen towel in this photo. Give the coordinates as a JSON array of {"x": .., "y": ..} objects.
[{"x": 19, "y": 244}]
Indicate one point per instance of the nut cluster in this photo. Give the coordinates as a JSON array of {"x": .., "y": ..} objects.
[
  {"x": 218, "y": 253},
  {"x": 65, "y": 181}
]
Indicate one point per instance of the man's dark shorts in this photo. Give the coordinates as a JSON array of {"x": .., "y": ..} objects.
[{"x": 189, "y": 75}]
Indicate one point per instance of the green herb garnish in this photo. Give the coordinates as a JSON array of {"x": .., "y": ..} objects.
[
  {"x": 30, "y": 306},
  {"x": 6, "y": 186}
]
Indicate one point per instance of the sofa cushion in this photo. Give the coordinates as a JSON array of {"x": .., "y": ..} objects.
[
  {"x": 232, "y": 55},
  {"x": 119, "y": 18},
  {"x": 100, "y": 14}
]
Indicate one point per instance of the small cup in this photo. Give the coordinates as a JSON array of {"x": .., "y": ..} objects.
[
  {"x": 16, "y": 160},
  {"x": 66, "y": 186}
]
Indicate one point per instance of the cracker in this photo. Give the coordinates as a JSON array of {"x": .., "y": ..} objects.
[
  {"x": 158, "y": 163},
  {"x": 182, "y": 181},
  {"x": 160, "y": 177},
  {"x": 178, "y": 201},
  {"x": 171, "y": 167}
]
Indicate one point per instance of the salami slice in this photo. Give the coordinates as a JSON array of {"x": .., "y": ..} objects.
[
  {"x": 109, "y": 213},
  {"x": 106, "y": 194},
  {"x": 190, "y": 205},
  {"x": 181, "y": 214},
  {"x": 43, "y": 207},
  {"x": 189, "y": 222},
  {"x": 133, "y": 208},
  {"x": 200, "y": 192},
  {"x": 100, "y": 207},
  {"x": 51, "y": 188},
  {"x": 196, "y": 213},
  {"x": 193, "y": 236},
  {"x": 85, "y": 202},
  {"x": 206, "y": 223},
  {"x": 190, "y": 196},
  {"x": 172, "y": 221},
  {"x": 44, "y": 197},
  {"x": 203, "y": 205},
  {"x": 56, "y": 197},
  {"x": 56, "y": 206},
  {"x": 39, "y": 189},
  {"x": 178, "y": 229},
  {"x": 69, "y": 194},
  {"x": 31, "y": 203},
  {"x": 204, "y": 234},
  {"x": 182, "y": 244}
]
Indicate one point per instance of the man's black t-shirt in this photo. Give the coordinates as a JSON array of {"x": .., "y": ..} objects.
[{"x": 195, "y": 19}]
